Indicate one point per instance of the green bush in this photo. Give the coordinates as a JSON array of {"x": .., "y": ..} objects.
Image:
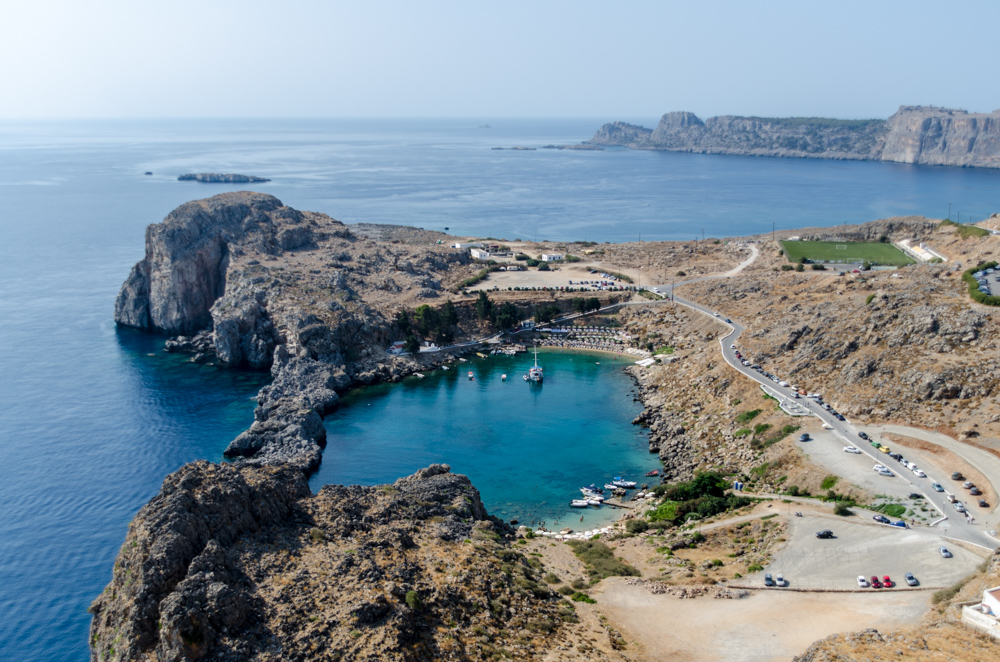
[
  {"x": 842, "y": 510},
  {"x": 747, "y": 416},
  {"x": 600, "y": 560},
  {"x": 891, "y": 509},
  {"x": 521, "y": 257},
  {"x": 965, "y": 231},
  {"x": 566, "y": 590},
  {"x": 761, "y": 428},
  {"x": 636, "y": 526},
  {"x": 571, "y": 258},
  {"x": 787, "y": 267},
  {"x": 754, "y": 567},
  {"x": 544, "y": 266},
  {"x": 799, "y": 267},
  {"x": 980, "y": 297},
  {"x": 818, "y": 267},
  {"x": 582, "y": 597},
  {"x": 869, "y": 299},
  {"x": 742, "y": 432},
  {"x": 829, "y": 482},
  {"x": 413, "y": 601}
]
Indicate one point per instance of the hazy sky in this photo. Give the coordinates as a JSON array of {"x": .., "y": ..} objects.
[{"x": 610, "y": 60}]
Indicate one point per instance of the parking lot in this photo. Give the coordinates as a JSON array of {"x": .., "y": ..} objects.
[{"x": 862, "y": 549}]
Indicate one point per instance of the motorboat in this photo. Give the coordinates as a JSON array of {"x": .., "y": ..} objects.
[
  {"x": 587, "y": 494},
  {"x": 593, "y": 502},
  {"x": 654, "y": 472},
  {"x": 620, "y": 482},
  {"x": 579, "y": 503},
  {"x": 609, "y": 486},
  {"x": 503, "y": 378},
  {"x": 471, "y": 376},
  {"x": 593, "y": 488}
]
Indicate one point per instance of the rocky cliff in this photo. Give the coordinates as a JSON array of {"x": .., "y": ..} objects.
[
  {"x": 914, "y": 134},
  {"x": 240, "y": 563}
]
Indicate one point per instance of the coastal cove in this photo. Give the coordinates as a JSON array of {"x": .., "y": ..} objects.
[{"x": 527, "y": 448}]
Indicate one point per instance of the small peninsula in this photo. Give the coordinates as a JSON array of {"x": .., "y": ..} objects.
[
  {"x": 924, "y": 135},
  {"x": 218, "y": 178}
]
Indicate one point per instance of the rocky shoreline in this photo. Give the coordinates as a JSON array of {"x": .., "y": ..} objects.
[{"x": 219, "y": 178}]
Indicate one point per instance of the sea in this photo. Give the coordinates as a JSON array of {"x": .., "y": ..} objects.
[{"x": 93, "y": 417}]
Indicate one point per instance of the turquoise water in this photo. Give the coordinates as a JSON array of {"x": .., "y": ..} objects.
[
  {"x": 90, "y": 424},
  {"x": 528, "y": 448}
]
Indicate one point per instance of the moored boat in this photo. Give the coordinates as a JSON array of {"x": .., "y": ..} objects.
[
  {"x": 503, "y": 378},
  {"x": 654, "y": 472},
  {"x": 471, "y": 377},
  {"x": 579, "y": 503},
  {"x": 621, "y": 482}
]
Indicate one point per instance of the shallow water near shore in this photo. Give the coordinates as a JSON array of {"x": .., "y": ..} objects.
[{"x": 528, "y": 448}]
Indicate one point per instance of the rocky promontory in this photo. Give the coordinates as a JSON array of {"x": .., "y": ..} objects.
[
  {"x": 219, "y": 178},
  {"x": 914, "y": 134},
  {"x": 239, "y": 563}
]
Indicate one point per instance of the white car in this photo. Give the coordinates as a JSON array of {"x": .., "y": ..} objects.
[
  {"x": 919, "y": 473},
  {"x": 732, "y": 347},
  {"x": 886, "y": 473},
  {"x": 879, "y": 467},
  {"x": 959, "y": 506},
  {"x": 862, "y": 582},
  {"x": 852, "y": 449},
  {"x": 779, "y": 580}
]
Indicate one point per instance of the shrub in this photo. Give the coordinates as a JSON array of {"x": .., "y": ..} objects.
[
  {"x": 571, "y": 258},
  {"x": 799, "y": 267},
  {"x": 636, "y": 526},
  {"x": 761, "y": 428},
  {"x": 317, "y": 534},
  {"x": 521, "y": 257},
  {"x": 551, "y": 579},
  {"x": 747, "y": 416},
  {"x": 413, "y": 601},
  {"x": 582, "y": 597},
  {"x": 818, "y": 267},
  {"x": 965, "y": 231},
  {"x": 754, "y": 567},
  {"x": 829, "y": 482},
  {"x": 842, "y": 510},
  {"x": 544, "y": 266},
  {"x": 869, "y": 299},
  {"x": 787, "y": 267},
  {"x": 793, "y": 490},
  {"x": 891, "y": 509},
  {"x": 600, "y": 560},
  {"x": 742, "y": 432},
  {"x": 681, "y": 274},
  {"x": 566, "y": 590}
]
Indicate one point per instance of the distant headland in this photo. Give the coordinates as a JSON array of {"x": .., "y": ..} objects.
[
  {"x": 914, "y": 134},
  {"x": 217, "y": 178}
]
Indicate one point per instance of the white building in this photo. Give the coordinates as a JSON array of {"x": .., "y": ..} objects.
[
  {"x": 552, "y": 257},
  {"x": 985, "y": 615},
  {"x": 397, "y": 347},
  {"x": 475, "y": 244},
  {"x": 479, "y": 254}
]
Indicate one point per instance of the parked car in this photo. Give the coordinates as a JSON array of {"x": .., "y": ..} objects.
[
  {"x": 915, "y": 495},
  {"x": 840, "y": 417},
  {"x": 804, "y": 437},
  {"x": 919, "y": 473},
  {"x": 863, "y": 436},
  {"x": 896, "y": 456},
  {"x": 956, "y": 476},
  {"x": 936, "y": 487},
  {"x": 852, "y": 449},
  {"x": 732, "y": 347},
  {"x": 878, "y": 467},
  {"x": 862, "y": 582},
  {"x": 975, "y": 491},
  {"x": 884, "y": 449},
  {"x": 768, "y": 580},
  {"x": 910, "y": 579},
  {"x": 825, "y": 533},
  {"x": 959, "y": 506},
  {"x": 944, "y": 552},
  {"x": 779, "y": 580},
  {"x": 901, "y": 524},
  {"x": 886, "y": 582},
  {"x": 875, "y": 582},
  {"x": 967, "y": 484},
  {"x": 885, "y": 472},
  {"x": 881, "y": 518},
  {"x": 982, "y": 503}
]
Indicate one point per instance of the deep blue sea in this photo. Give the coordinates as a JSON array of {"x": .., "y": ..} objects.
[{"x": 92, "y": 418}]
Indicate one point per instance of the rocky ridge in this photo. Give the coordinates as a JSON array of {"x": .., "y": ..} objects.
[
  {"x": 914, "y": 134},
  {"x": 236, "y": 563}
]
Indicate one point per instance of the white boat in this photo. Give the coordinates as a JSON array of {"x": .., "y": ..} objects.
[
  {"x": 503, "y": 378},
  {"x": 588, "y": 494},
  {"x": 619, "y": 482},
  {"x": 579, "y": 503},
  {"x": 609, "y": 486},
  {"x": 419, "y": 374},
  {"x": 444, "y": 367},
  {"x": 535, "y": 371},
  {"x": 593, "y": 502},
  {"x": 470, "y": 375}
]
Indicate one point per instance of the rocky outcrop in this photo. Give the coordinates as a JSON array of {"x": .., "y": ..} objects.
[
  {"x": 237, "y": 563},
  {"x": 218, "y": 178},
  {"x": 183, "y": 273},
  {"x": 914, "y": 134}
]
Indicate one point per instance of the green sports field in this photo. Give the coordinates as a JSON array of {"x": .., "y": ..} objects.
[{"x": 850, "y": 251}]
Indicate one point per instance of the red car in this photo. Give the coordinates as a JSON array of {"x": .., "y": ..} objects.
[
  {"x": 875, "y": 582},
  {"x": 886, "y": 582}
]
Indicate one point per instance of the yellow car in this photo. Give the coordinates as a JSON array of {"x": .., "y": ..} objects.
[{"x": 884, "y": 449}]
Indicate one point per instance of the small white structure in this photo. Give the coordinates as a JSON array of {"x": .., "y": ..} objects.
[
  {"x": 512, "y": 267},
  {"x": 479, "y": 254},
  {"x": 397, "y": 347},
  {"x": 985, "y": 616},
  {"x": 553, "y": 257},
  {"x": 475, "y": 244}
]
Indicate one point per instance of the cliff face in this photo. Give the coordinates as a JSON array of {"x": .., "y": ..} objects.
[
  {"x": 184, "y": 272},
  {"x": 915, "y": 134},
  {"x": 230, "y": 563},
  {"x": 938, "y": 136}
]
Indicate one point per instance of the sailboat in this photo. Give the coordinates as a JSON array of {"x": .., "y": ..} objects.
[{"x": 535, "y": 371}]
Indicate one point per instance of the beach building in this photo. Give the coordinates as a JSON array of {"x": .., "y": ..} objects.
[
  {"x": 553, "y": 257},
  {"x": 984, "y": 615}
]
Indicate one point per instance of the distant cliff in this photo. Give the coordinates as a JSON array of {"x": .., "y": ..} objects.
[
  {"x": 915, "y": 134},
  {"x": 217, "y": 178}
]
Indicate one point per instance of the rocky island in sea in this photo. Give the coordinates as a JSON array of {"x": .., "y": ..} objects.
[
  {"x": 241, "y": 561},
  {"x": 219, "y": 178},
  {"x": 914, "y": 134}
]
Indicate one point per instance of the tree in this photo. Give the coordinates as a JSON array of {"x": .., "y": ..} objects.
[
  {"x": 484, "y": 307},
  {"x": 426, "y": 319},
  {"x": 411, "y": 344},
  {"x": 545, "y": 314},
  {"x": 544, "y": 266},
  {"x": 593, "y": 303},
  {"x": 403, "y": 321},
  {"x": 508, "y": 315},
  {"x": 449, "y": 316},
  {"x": 579, "y": 304}
]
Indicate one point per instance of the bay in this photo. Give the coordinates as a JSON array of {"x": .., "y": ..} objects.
[{"x": 90, "y": 423}]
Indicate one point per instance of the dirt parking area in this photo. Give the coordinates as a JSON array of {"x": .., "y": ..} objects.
[
  {"x": 863, "y": 549},
  {"x": 766, "y": 626}
]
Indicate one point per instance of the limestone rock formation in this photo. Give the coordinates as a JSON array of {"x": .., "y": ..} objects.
[
  {"x": 914, "y": 134},
  {"x": 240, "y": 563}
]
